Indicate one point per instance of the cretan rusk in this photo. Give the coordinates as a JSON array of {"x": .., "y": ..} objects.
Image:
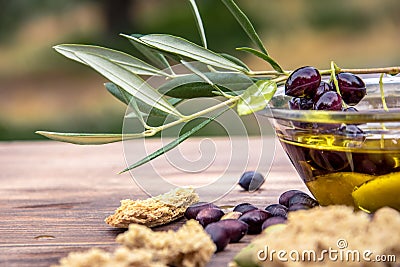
[{"x": 154, "y": 211}]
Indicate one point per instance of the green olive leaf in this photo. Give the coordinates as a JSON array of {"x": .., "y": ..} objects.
[
  {"x": 144, "y": 109},
  {"x": 179, "y": 46},
  {"x": 118, "y": 93},
  {"x": 245, "y": 23},
  {"x": 89, "y": 138},
  {"x": 147, "y": 111},
  {"x": 263, "y": 56},
  {"x": 256, "y": 97},
  {"x": 236, "y": 60},
  {"x": 129, "y": 62},
  {"x": 199, "y": 22},
  {"x": 174, "y": 143},
  {"x": 128, "y": 81},
  {"x": 191, "y": 85},
  {"x": 152, "y": 55},
  {"x": 139, "y": 115},
  {"x": 174, "y": 101}
]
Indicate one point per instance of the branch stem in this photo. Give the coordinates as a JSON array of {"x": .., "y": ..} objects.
[
  {"x": 388, "y": 70},
  {"x": 228, "y": 102}
]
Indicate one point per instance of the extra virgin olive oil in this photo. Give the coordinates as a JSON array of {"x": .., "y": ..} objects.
[{"x": 356, "y": 171}]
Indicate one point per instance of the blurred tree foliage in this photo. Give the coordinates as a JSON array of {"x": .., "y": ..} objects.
[
  {"x": 15, "y": 13},
  {"x": 125, "y": 16},
  {"x": 355, "y": 16}
]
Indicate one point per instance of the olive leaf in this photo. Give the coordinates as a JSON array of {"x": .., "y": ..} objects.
[
  {"x": 129, "y": 62},
  {"x": 191, "y": 85},
  {"x": 135, "y": 110},
  {"x": 174, "y": 101},
  {"x": 245, "y": 23},
  {"x": 199, "y": 22},
  {"x": 235, "y": 60},
  {"x": 152, "y": 55},
  {"x": 256, "y": 97},
  {"x": 263, "y": 56},
  {"x": 200, "y": 74},
  {"x": 174, "y": 143},
  {"x": 179, "y": 46},
  {"x": 205, "y": 78},
  {"x": 118, "y": 93},
  {"x": 130, "y": 82},
  {"x": 145, "y": 109},
  {"x": 89, "y": 138}
]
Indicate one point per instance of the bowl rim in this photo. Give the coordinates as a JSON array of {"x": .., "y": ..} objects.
[
  {"x": 325, "y": 116},
  {"x": 322, "y": 116}
]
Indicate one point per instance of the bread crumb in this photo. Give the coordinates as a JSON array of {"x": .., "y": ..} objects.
[
  {"x": 132, "y": 258},
  {"x": 92, "y": 258},
  {"x": 322, "y": 228},
  {"x": 154, "y": 211},
  {"x": 190, "y": 246},
  {"x": 99, "y": 258}
]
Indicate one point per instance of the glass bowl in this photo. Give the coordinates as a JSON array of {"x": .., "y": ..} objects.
[{"x": 359, "y": 167}]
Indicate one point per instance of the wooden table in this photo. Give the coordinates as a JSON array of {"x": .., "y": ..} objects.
[{"x": 55, "y": 196}]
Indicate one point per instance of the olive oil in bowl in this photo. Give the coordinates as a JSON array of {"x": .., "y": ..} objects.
[{"x": 362, "y": 171}]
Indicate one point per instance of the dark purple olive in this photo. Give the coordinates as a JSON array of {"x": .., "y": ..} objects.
[
  {"x": 299, "y": 103},
  {"x": 219, "y": 235},
  {"x": 254, "y": 220},
  {"x": 251, "y": 181},
  {"x": 192, "y": 211},
  {"x": 351, "y": 87},
  {"x": 304, "y": 199},
  {"x": 366, "y": 166},
  {"x": 285, "y": 196},
  {"x": 236, "y": 229},
  {"x": 244, "y": 207},
  {"x": 329, "y": 160},
  {"x": 272, "y": 221},
  {"x": 329, "y": 101},
  {"x": 294, "y": 103},
  {"x": 303, "y": 82},
  {"x": 277, "y": 210},
  {"x": 322, "y": 88},
  {"x": 298, "y": 206},
  {"x": 209, "y": 215},
  {"x": 375, "y": 164}
]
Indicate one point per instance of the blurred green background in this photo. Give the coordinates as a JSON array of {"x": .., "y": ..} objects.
[{"x": 40, "y": 89}]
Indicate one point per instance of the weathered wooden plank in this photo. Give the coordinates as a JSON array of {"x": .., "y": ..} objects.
[{"x": 54, "y": 197}]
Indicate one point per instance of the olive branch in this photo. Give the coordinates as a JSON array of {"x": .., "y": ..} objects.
[{"x": 160, "y": 52}]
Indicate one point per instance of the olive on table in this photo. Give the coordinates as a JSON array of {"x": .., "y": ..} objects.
[
  {"x": 277, "y": 210},
  {"x": 304, "y": 199},
  {"x": 192, "y": 211},
  {"x": 272, "y": 221},
  {"x": 244, "y": 207},
  {"x": 219, "y": 235},
  {"x": 236, "y": 229},
  {"x": 209, "y": 215},
  {"x": 254, "y": 220},
  {"x": 251, "y": 181},
  {"x": 285, "y": 196}
]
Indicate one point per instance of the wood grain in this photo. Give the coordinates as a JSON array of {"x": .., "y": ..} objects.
[{"x": 55, "y": 196}]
